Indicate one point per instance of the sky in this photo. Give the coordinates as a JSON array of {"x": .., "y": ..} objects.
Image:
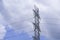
[{"x": 16, "y": 17}]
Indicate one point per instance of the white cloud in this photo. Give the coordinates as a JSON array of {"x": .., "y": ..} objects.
[
  {"x": 2, "y": 27},
  {"x": 51, "y": 18},
  {"x": 2, "y": 32},
  {"x": 20, "y": 13},
  {"x": 52, "y": 3}
]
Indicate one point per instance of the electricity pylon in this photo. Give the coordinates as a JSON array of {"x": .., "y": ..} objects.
[{"x": 36, "y": 24}]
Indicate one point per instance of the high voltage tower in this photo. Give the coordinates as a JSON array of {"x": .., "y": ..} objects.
[{"x": 36, "y": 24}]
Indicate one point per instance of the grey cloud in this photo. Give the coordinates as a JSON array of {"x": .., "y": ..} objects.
[
  {"x": 52, "y": 22},
  {"x": 51, "y": 18}
]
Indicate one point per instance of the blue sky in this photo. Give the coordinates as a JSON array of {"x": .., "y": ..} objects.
[
  {"x": 11, "y": 35},
  {"x": 16, "y": 17}
]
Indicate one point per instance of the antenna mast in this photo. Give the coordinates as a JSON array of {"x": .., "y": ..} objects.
[{"x": 36, "y": 24}]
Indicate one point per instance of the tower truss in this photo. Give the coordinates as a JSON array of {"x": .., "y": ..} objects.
[{"x": 36, "y": 24}]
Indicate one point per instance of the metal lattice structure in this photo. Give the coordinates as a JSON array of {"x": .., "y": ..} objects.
[{"x": 36, "y": 24}]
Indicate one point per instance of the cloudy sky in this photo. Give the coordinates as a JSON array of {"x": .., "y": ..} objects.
[{"x": 16, "y": 17}]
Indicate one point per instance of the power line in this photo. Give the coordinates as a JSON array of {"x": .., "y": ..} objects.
[
  {"x": 40, "y": 24},
  {"x": 50, "y": 23},
  {"x": 51, "y": 18}
]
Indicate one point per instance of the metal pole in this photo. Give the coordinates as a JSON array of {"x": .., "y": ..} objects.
[{"x": 36, "y": 24}]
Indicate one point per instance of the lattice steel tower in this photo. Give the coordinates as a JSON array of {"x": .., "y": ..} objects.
[{"x": 36, "y": 24}]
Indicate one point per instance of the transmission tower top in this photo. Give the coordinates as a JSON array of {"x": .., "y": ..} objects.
[{"x": 36, "y": 11}]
